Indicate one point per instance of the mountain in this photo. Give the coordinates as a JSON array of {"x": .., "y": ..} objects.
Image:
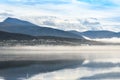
[
  {"x": 10, "y": 39},
  {"x": 14, "y": 25},
  {"x": 98, "y": 34},
  {"x": 14, "y": 36},
  {"x": 71, "y": 23},
  {"x": 17, "y": 36}
]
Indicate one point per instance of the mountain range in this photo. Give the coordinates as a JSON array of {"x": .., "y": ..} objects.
[
  {"x": 19, "y": 29},
  {"x": 70, "y": 23},
  {"x": 98, "y": 34},
  {"x": 14, "y": 25}
]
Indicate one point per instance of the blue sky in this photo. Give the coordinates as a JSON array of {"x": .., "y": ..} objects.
[
  {"x": 100, "y": 3},
  {"x": 102, "y": 9},
  {"x": 66, "y": 5},
  {"x": 108, "y": 3},
  {"x": 29, "y": 2}
]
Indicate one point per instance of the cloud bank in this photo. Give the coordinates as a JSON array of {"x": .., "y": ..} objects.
[
  {"x": 79, "y": 8},
  {"x": 105, "y": 10}
]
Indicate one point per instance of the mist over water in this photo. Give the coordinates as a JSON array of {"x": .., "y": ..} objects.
[
  {"x": 86, "y": 62},
  {"x": 106, "y": 40}
]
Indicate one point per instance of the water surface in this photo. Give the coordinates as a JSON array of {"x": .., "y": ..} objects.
[{"x": 61, "y": 62}]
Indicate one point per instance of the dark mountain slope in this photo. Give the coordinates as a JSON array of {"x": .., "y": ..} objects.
[
  {"x": 14, "y": 25},
  {"x": 14, "y": 36},
  {"x": 7, "y": 38}
]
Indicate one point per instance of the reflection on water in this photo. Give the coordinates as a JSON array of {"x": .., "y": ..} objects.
[
  {"x": 60, "y": 62},
  {"x": 15, "y": 72},
  {"x": 85, "y": 71}
]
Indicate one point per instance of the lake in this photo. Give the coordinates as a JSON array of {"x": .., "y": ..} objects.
[{"x": 60, "y": 62}]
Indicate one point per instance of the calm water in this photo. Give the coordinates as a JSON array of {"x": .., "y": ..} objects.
[{"x": 61, "y": 62}]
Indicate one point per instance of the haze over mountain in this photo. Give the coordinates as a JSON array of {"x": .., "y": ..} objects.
[
  {"x": 73, "y": 23},
  {"x": 70, "y": 23},
  {"x": 62, "y": 23},
  {"x": 19, "y": 26}
]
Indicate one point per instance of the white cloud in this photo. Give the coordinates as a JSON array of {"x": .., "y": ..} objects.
[{"x": 71, "y": 8}]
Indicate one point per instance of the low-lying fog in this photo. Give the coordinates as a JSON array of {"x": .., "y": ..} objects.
[
  {"x": 107, "y": 40},
  {"x": 60, "y": 52}
]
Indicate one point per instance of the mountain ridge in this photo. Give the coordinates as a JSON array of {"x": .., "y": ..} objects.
[
  {"x": 15, "y": 25},
  {"x": 98, "y": 34},
  {"x": 11, "y": 39}
]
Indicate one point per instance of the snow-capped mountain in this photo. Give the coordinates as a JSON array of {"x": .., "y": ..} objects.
[{"x": 66, "y": 23}]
